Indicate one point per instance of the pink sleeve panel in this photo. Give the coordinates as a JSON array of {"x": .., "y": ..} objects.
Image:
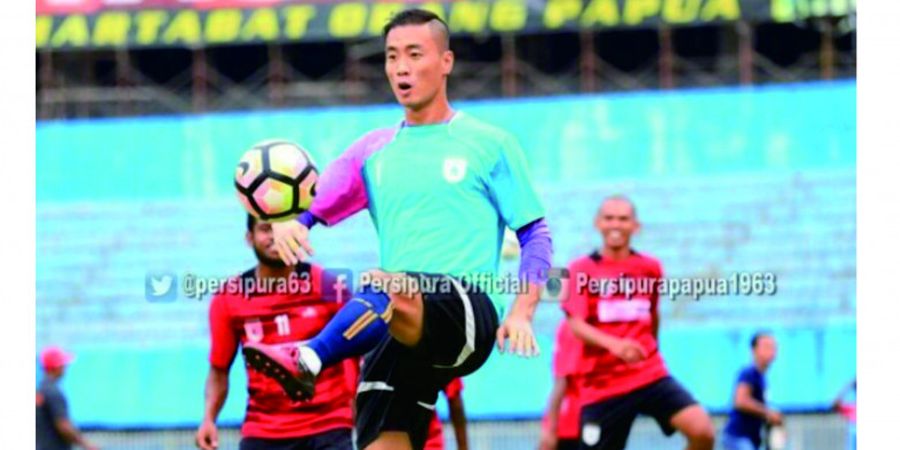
[{"x": 341, "y": 190}]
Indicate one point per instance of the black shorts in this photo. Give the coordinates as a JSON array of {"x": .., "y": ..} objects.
[
  {"x": 399, "y": 385},
  {"x": 339, "y": 439},
  {"x": 605, "y": 425},
  {"x": 567, "y": 444}
]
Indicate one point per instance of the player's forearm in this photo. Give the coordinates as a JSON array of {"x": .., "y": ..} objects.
[
  {"x": 70, "y": 433},
  {"x": 81, "y": 441},
  {"x": 655, "y": 326},
  {"x": 551, "y": 416},
  {"x": 526, "y": 302},
  {"x": 751, "y": 406},
  {"x": 537, "y": 251},
  {"x": 534, "y": 265},
  {"x": 216, "y": 393},
  {"x": 591, "y": 335},
  {"x": 458, "y": 418}
]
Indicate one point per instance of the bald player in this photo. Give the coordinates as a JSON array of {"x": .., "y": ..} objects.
[{"x": 623, "y": 373}]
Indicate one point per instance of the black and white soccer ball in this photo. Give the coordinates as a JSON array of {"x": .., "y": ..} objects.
[{"x": 276, "y": 180}]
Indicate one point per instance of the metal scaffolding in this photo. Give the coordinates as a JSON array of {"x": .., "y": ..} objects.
[{"x": 127, "y": 82}]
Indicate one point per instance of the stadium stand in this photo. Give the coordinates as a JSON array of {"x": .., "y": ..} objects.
[{"x": 799, "y": 227}]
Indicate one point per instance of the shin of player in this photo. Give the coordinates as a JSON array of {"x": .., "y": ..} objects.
[
  {"x": 559, "y": 429},
  {"x": 453, "y": 392}
]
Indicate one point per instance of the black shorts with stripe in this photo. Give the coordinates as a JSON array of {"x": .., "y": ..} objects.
[
  {"x": 606, "y": 425},
  {"x": 399, "y": 385}
]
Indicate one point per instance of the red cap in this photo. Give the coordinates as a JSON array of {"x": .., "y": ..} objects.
[{"x": 54, "y": 358}]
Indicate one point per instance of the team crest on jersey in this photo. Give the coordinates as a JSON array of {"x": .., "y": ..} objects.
[
  {"x": 254, "y": 330},
  {"x": 454, "y": 169},
  {"x": 590, "y": 434}
]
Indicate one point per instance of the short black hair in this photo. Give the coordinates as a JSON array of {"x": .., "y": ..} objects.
[
  {"x": 418, "y": 16},
  {"x": 757, "y": 336},
  {"x": 251, "y": 222}
]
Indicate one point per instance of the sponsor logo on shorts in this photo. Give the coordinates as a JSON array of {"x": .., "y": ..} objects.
[{"x": 590, "y": 433}]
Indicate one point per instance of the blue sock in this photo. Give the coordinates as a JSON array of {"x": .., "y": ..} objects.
[{"x": 357, "y": 328}]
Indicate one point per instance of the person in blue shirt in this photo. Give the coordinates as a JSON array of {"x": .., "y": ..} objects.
[{"x": 749, "y": 412}]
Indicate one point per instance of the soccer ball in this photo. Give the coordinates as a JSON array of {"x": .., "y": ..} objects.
[{"x": 276, "y": 180}]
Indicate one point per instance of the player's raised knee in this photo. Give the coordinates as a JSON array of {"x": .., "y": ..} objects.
[
  {"x": 405, "y": 305},
  {"x": 406, "y": 319},
  {"x": 696, "y": 426}
]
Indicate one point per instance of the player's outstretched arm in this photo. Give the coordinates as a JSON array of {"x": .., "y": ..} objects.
[
  {"x": 207, "y": 437},
  {"x": 551, "y": 416},
  {"x": 70, "y": 432},
  {"x": 292, "y": 241},
  {"x": 340, "y": 193},
  {"x": 534, "y": 266},
  {"x": 625, "y": 349},
  {"x": 744, "y": 402},
  {"x": 516, "y": 328}
]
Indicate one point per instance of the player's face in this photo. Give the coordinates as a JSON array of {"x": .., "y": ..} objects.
[
  {"x": 263, "y": 243},
  {"x": 765, "y": 350},
  {"x": 416, "y": 65},
  {"x": 616, "y": 223}
]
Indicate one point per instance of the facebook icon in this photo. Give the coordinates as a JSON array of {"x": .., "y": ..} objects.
[{"x": 337, "y": 285}]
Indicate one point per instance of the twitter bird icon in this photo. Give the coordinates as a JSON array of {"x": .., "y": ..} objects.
[{"x": 160, "y": 287}]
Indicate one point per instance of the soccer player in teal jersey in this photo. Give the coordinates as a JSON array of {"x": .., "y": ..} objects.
[{"x": 441, "y": 188}]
